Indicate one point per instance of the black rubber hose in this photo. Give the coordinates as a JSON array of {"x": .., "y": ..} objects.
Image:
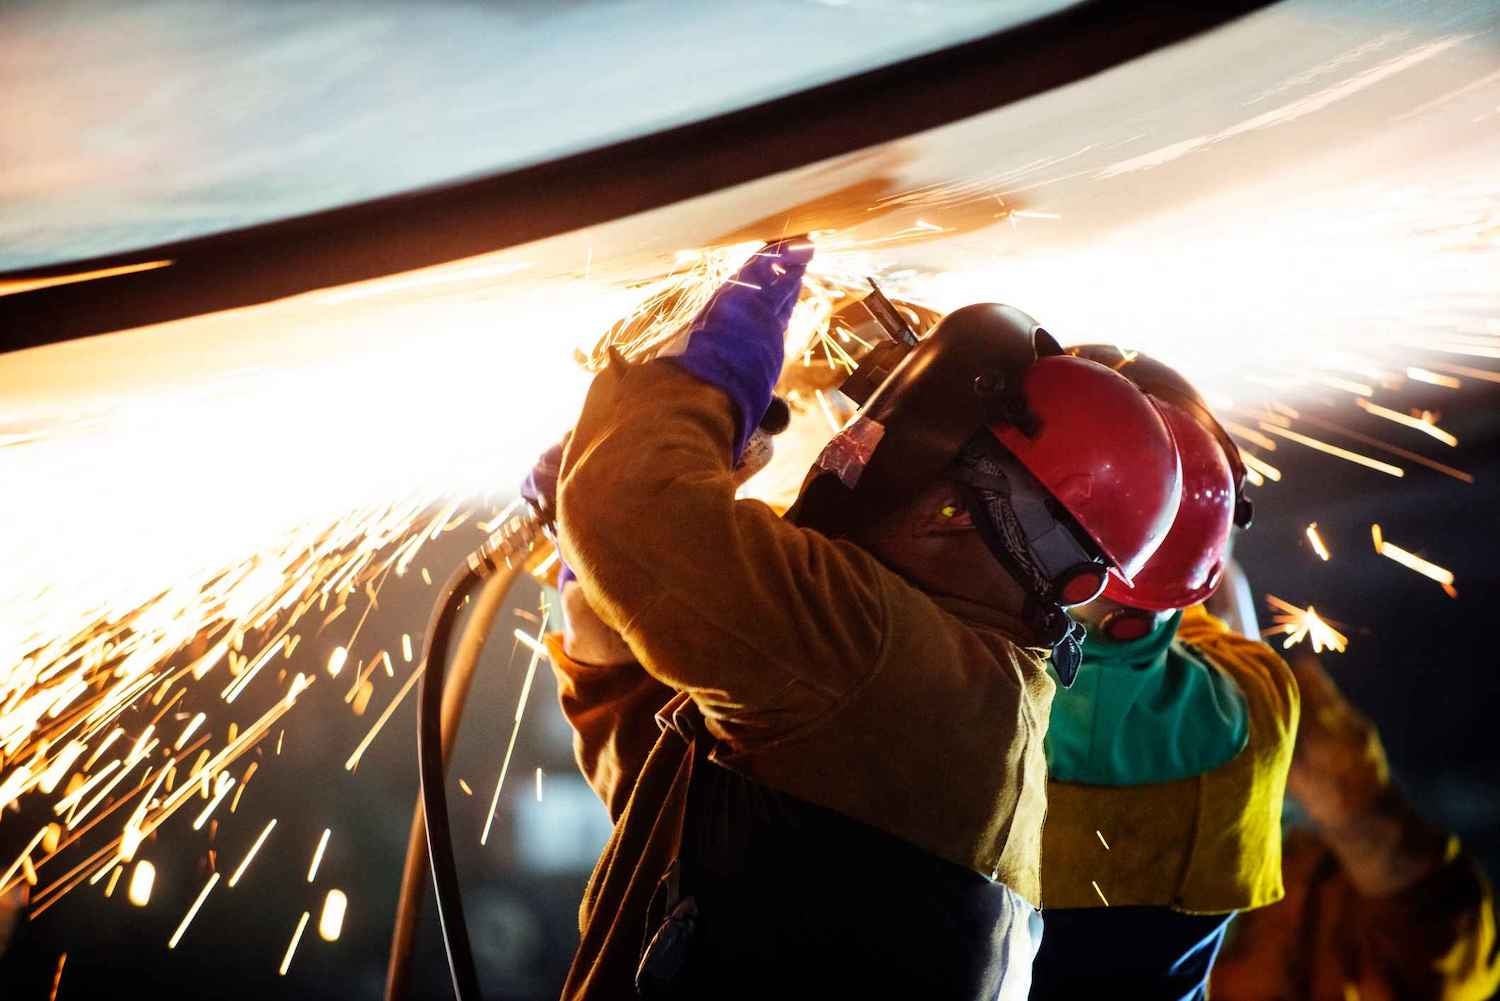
[
  {"x": 446, "y": 892},
  {"x": 485, "y": 606},
  {"x": 504, "y": 552}
]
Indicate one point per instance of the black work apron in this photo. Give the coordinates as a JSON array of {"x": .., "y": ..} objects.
[{"x": 775, "y": 897}]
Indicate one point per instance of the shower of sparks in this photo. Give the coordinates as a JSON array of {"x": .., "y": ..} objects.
[
  {"x": 142, "y": 878},
  {"x": 1099, "y": 891},
  {"x": 1100, "y": 835},
  {"x": 312, "y": 870},
  {"x": 1298, "y": 624},
  {"x": 331, "y": 918},
  {"x": 291, "y": 948},
  {"x": 1412, "y": 561},
  {"x": 192, "y": 911},
  {"x": 538, "y": 651},
  {"x": 215, "y": 580},
  {"x": 1316, "y": 541},
  {"x": 249, "y": 855}
]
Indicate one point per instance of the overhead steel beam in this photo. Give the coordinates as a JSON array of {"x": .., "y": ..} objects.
[{"x": 435, "y": 225}]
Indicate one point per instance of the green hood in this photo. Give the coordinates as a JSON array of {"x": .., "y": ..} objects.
[{"x": 1143, "y": 711}]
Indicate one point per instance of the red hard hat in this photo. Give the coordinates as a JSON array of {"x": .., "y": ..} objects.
[
  {"x": 1103, "y": 450},
  {"x": 1187, "y": 567}
]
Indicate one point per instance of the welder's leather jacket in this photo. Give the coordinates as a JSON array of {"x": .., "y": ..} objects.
[
  {"x": 1435, "y": 940},
  {"x": 1207, "y": 844},
  {"x": 819, "y": 673}
]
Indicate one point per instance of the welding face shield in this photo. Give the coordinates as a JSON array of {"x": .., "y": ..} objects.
[{"x": 1059, "y": 431}]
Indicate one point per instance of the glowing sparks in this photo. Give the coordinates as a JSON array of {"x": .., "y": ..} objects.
[
  {"x": 142, "y": 879},
  {"x": 22, "y": 858},
  {"x": 369, "y": 738},
  {"x": 1432, "y": 378},
  {"x": 1298, "y": 624},
  {"x": 187, "y": 731},
  {"x": 249, "y": 855},
  {"x": 223, "y": 582},
  {"x": 222, "y": 785},
  {"x": 57, "y": 977},
  {"x": 1333, "y": 450},
  {"x": 1100, "y": 892},
  {"x": 331, "y": 918},
  {"x": 1100, "y": 835},
  {"x": 1261, "y": 467},
  {"x": 192, "y": 911},
  {"x": 317, "y": 859},
  {"x": 538, "y": 651},
  {"x": 1316, "y": 541},
  {"x": 1442, "y": 575},
  {"x": 1347, "y": 385},
  {"x": 291, "y": 948},
  {"x": 234, "y": 804},
  {"x": 538, "y": 785},
  {"x": 1424, "y": 424}
]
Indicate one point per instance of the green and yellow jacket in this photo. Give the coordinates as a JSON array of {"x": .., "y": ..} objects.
[{"x": 1167, "y": 768}]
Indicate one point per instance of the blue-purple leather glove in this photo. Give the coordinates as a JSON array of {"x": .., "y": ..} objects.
[
  {"x": 539, "y": 489},
  {"x": 738, "y": 342}
]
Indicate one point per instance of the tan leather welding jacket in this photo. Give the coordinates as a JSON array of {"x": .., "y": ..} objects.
[{"x": 818, "y": 672}]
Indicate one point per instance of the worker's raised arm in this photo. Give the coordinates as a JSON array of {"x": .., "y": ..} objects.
[{"x": 754, "y": 616}]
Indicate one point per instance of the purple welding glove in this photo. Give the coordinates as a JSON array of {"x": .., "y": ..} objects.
[
  {"x": 739, "y": 340},
  {"x": 539, "y": 489}
]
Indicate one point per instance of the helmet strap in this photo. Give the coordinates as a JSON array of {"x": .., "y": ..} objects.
[{"x": 1028, "y": 540}]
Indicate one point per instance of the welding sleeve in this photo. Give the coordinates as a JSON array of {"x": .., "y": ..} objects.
[
  {"x": 612, "y": 710},
  {"x": 766, "y": 624}
]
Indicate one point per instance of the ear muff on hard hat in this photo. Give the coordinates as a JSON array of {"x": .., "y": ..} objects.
[{"x": 1187, "y": 567}]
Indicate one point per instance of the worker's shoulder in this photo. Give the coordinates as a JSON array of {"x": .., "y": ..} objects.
[
  {"x": 935, "y": 627},
  {"x": 1259, "y": 671}
]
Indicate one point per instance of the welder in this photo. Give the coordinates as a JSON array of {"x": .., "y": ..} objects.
[
  {"x": 820, "y": 736},
  {"x": 1167, "y": 760},
  {"x": 1380, "y": 902}
]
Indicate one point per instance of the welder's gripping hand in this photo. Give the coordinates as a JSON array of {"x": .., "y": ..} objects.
[
  {"x": 738, "y": 342},
  {"x": 586, "y": 638}
]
